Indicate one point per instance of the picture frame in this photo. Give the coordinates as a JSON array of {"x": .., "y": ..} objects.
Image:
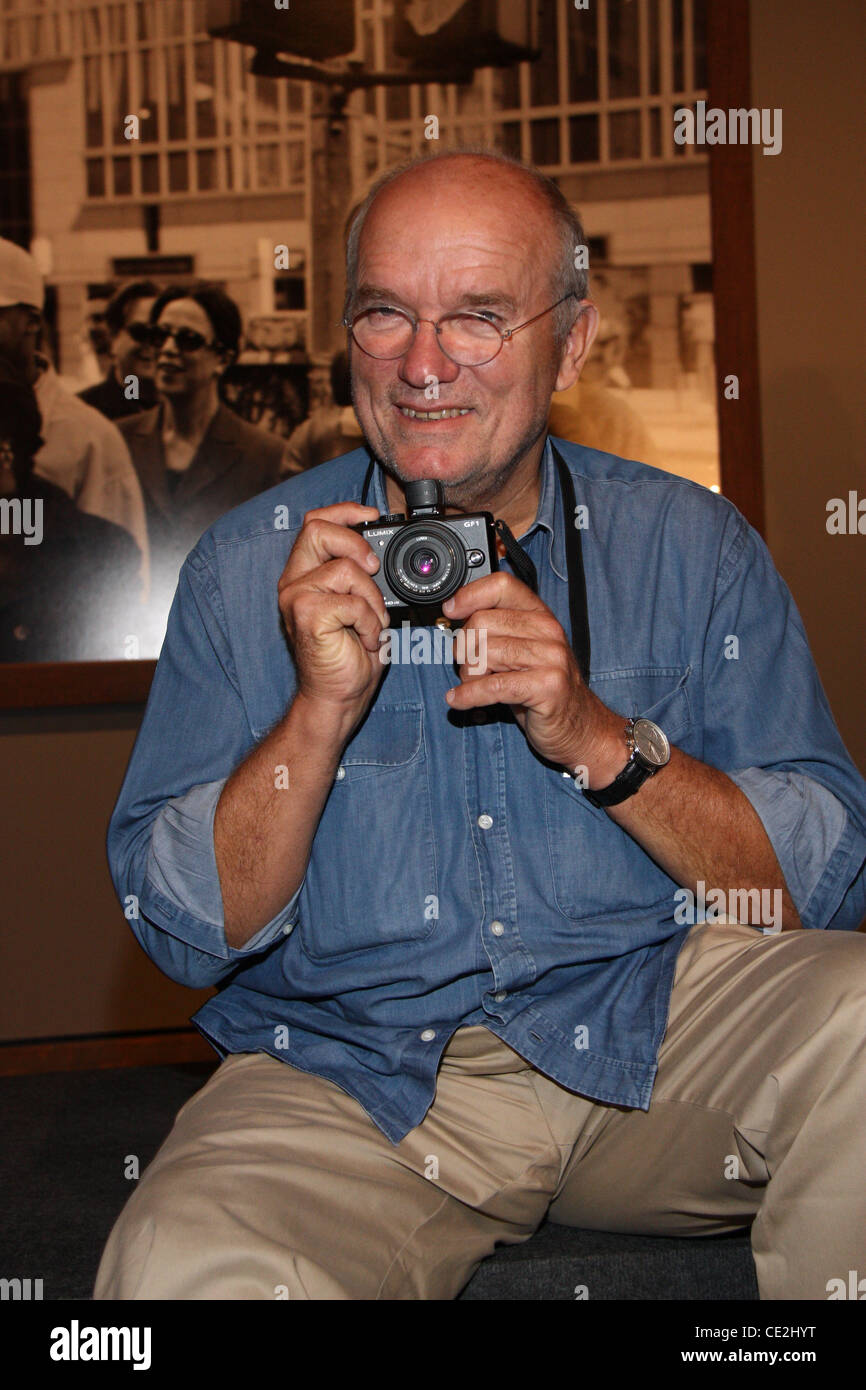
[{"x": 40, "y": 685}]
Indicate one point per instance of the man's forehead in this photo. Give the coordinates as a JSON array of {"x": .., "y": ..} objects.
[
  {"x": 476, "y": 226},
  {"x": 461, "y": 194}
]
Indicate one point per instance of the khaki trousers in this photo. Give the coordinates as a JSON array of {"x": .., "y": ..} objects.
[{"x": 275, "y": 1183}]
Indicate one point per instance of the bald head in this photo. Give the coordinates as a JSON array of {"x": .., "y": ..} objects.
[{"x": 481, "y": 178}]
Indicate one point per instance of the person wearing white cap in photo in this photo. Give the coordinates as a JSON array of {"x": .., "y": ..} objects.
[{"x": 84, "y": 453}]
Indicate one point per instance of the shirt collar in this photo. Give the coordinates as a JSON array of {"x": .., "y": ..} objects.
[{"x": 548, "y": 517}]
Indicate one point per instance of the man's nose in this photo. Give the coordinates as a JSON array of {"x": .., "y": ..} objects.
[{"x": 425, "y": 359}]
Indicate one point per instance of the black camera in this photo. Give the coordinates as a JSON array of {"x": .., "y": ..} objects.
[{"x": 427, "y": 556}]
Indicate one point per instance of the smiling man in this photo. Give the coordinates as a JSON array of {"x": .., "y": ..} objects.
[{"x": 444, "y": 906}]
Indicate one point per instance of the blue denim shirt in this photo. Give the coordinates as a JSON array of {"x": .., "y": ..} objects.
[{"x": 455, "y": 877}]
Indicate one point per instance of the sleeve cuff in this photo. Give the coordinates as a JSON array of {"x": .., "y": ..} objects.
[
  {"x": 819, "y": 849},
  {"x": 182, "y": 889}
]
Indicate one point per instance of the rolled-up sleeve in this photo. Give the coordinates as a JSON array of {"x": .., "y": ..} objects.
[
  {"x": 769, "y": 727},
  {"x": 160, "y": 844}
]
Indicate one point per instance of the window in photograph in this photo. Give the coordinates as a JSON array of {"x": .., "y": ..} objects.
[
  {"x": 582, "y": 57},
  {"x": 145, "y": 15},
  {"x": 206, "y": 170},
  {"x": 544, "y": 74},
  {"x": 544, "y": 136},
  {"x": 149, "y": 166},
  {"x": 268, "y": 166},
  {"x": 118, "y": 83},
  {"x": 204, "y": 92},
  {"x": 624, "y": 135},
  {"x": 178, "y": 172},
  {"x": 623, "y": 47},
  {"x": 583, "y": 139},
  {"x": 175, "y": 83},
  {"x": 93, "y": 108},
  {"x": 508, "y": 138},
  {"x": 148, "y": 111},
  {"x": 122, "y": 177},
  {"x": 95, "y": 178}
]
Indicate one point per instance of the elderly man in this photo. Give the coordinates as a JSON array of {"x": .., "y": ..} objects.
[{"x": 462, "y": 985}]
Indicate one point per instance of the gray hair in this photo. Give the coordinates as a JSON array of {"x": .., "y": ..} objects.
[{"x": 567, "y": 278}]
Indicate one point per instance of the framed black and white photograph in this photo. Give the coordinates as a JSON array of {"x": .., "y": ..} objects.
[{"x": 154, "y": 147}]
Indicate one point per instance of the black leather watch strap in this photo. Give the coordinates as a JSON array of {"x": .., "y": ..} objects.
[{"x": 632, "y": 777}]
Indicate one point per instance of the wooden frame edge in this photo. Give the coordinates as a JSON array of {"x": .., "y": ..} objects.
[
  {"x": 91, "y": 1053},
  {"x": 732, "y": 213}
]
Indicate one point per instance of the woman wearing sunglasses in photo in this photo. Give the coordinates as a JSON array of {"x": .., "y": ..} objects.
[{"x": 194, "y": 457}]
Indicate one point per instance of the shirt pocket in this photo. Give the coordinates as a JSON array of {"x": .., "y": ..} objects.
[
  {"x": 597, "y": 870},
  {"x": 372, "y": 876}
]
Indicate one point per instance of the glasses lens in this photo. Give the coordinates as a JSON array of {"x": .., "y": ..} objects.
[
  {"x": 469, "y": 339},
  {"x": 383, "y": 332},
  {"x": 139, "y": 332},
  {"x": 186, "y": 339}
]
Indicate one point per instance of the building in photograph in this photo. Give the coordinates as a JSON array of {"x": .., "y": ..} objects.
[{"x": 137, "y": 143}]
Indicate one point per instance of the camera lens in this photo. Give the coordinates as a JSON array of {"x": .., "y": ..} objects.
[{"x": 424, "y": 562}]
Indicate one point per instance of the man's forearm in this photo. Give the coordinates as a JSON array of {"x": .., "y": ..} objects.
[
  {"x": 267, "y": 815},
  {"x": 691, "y": 819},
  {"x": 699, "y": 827}
]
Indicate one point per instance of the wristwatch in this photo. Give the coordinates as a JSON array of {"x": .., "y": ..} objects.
[{"x": 649, "y": 752}]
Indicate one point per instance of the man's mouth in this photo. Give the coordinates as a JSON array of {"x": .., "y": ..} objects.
[{"x": 430, "y": 414}]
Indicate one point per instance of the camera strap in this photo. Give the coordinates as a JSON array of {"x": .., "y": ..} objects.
[{"x": 525, "y": 569}]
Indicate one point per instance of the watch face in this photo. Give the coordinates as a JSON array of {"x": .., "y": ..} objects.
[{"x": 651, "y": 743}]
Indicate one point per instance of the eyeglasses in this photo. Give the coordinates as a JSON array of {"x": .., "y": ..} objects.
[
  {"x": 469, "y": 340},
  {"x": 140, "y": 332},
  {"x": 187, "y": 339}
]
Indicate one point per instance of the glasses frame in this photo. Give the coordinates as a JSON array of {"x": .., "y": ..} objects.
[{"x": 505, "y": 334}]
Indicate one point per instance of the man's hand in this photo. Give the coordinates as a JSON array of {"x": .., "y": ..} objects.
[
  {"x": 332, "y": 610},
  {"x": 531, "y": 668}
]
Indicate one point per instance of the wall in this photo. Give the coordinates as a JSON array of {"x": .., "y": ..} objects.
[
  {"x": 68, "y": 959},
  {"x": 807, "y": 59}
]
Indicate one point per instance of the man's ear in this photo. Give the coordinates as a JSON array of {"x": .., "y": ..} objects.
[{"x": 577, "y": 345}]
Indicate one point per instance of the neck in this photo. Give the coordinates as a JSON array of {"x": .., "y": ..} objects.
[
  {"x": 189, "y": 416},
  {"x": 513, "y": 500}
]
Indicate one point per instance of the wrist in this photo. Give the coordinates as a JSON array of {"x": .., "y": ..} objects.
[
  {"x": 326, "y": 723},
  {"x": 603, "y": 758}
]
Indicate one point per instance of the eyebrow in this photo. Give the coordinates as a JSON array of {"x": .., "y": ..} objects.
[{"x": 472, "y": 299}]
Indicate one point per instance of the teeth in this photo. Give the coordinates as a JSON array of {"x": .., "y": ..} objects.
[{"x": 431, "y": 414}]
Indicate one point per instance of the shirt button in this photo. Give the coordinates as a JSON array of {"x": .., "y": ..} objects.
[
  {"x": 500, "y": 996},
  {"x": 497, "y": 928},
  {"x": 341, "y": 772},
  {"x": 428, "y": 1035},
  {"x": 485, "y": 821}
]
